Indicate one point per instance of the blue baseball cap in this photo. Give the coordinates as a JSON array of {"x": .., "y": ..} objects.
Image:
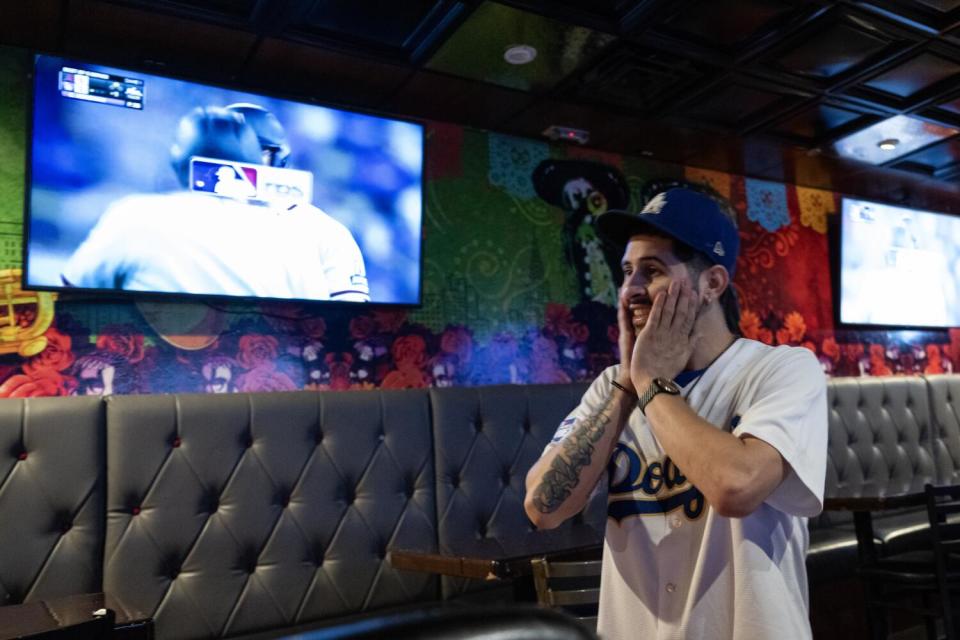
[{"x": 687, "y": 216}]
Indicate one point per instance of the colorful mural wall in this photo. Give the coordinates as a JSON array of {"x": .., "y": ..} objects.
[{"x": 517, "y": 287}]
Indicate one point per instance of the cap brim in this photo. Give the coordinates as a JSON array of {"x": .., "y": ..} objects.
[{"x": 616, "y": 227}]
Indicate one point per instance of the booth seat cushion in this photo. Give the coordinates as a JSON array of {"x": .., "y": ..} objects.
[
  {"x": 229, "y": 514},
  {"x": 51, "y": 497}
]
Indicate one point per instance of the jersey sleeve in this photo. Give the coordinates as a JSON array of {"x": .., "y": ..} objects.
[
  {"x": 344, "y": 267},
  {"x": 99, "y": 262},
  {"x": 789, "y": 412}
]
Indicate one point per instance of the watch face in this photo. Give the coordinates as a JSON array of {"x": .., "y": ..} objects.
[{"x": 667, "y": 385}]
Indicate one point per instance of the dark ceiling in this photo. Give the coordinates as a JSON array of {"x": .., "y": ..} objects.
[{"x": 759, "y": 87}]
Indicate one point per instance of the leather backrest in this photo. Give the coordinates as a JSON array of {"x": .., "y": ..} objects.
[
  {"x": 945, "y": 409},
  {"x": 234, "y": 513},
  {"x": 880, "y": 439},
  {"x": 888, "y": 436},
  {"x": 486, "y": 439},
  {"x": 51, "y": 497}
]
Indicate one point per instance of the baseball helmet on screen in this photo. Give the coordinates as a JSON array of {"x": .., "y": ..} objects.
[
  {"x": 270, "y": 133},
  {"x": 213, "y": 132}
]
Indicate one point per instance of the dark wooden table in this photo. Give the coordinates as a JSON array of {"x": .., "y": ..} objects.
[
  {"x": 76, "y": 611},
  {"x": 495, "y": 558}
]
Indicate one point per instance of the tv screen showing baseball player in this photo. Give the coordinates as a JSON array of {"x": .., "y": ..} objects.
[
  {"x": 898, "y": 266},
  {"x": 149, "y": 184}
]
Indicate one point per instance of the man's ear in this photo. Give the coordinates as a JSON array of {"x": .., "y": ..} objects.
[{"x": 713, "y": 282}]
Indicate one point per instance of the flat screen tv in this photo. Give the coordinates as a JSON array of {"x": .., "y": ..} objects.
[
  {"x": 150, "y": 184},
  {"x": 898, "y": 266}
]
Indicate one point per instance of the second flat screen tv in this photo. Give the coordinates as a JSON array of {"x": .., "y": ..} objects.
[
  {"x": 149, "y": 184},
  {"x": 898, "y": 266}
]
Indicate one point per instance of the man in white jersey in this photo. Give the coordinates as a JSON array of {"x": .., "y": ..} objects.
[{"x": 716, "y": 445}]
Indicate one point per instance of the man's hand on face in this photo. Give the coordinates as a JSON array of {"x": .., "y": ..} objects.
[
  {"x": 664, "y": 345},
  {"x": 628, "y": 338}
]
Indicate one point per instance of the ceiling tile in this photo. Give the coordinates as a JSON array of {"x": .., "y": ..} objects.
[
  {"x": 831, "y": 50},
  {"x": 132, "y": 37},
  {"x": 476, "y": 50},
  {"x": 440, "y": 97},
  {"x": 915, "y": 75},
  {"x": 933, "y": 159},
  {"x": 818, "y": 122},
  {"x": 634, "y": 77},
  {"x": 730, "y": 24},
  {"x": 398, "y": 31},
  {"x": 731, "y": 104},
  {"x": 909, "y": 134},
  {"x": 228, "y": 11},
  {"x": 325, "y": 75},
  {"x": 31, "y": 24}
]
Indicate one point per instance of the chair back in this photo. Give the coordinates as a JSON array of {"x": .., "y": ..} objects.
[
  {"x": 569, "y": 583},
  {"x": 943, "y": 509}
]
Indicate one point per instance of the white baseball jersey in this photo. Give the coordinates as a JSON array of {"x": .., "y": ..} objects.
[
  {"x": 199, "y": 243},
  {"x": 673, "y": 568}
]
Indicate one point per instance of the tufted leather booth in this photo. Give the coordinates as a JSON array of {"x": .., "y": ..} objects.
[
  {"x": 945, "y": 406},
  {"x": 229, "y": 514},
  {"x": 51, "y": 497},
  {"x": 224, "y": 515},
  {"x": 486, "y": 440}
]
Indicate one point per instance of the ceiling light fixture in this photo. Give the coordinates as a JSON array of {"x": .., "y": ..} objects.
[
  {"x": 889, "y": 144},
  {"x": 520, "y": 54}
]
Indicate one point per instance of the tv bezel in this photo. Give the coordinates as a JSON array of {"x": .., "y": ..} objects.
[
  {"x": 66, "y": 292},
  {"x": 838, "y": 271}
]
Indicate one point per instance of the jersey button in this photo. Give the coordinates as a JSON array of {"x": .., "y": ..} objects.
[
  {"x": 676, "y": 523},
  {"x": 671, "y": 587}
]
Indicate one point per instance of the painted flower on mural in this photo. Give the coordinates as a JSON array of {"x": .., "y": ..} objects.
[
  {"x": 409, "y": 351},
  {"x": 264, "y": 378},
  {"x": 409, "y": 357},
  {"x": 556, "y": 319},
  {"x": 751, "y": 328},
  {"x": 122, "y": 340},
  {"x": 793, "y": 329},
  {"x": 457, "y": 341},
  {"x": 389, "y": 321},
  {"x": 362, "y": 327},
  {"x": 45, "y": 382},
  {"x": 878, "y": 361},
  {"x": 935, "y": 361},
  {"x": 57, "y": 355},
  {"x": 257, "y": 350},
  {"x": 545, "y": 362},
  {"x": 339, "y": 365},
  {"x": 313, "y": 327},
  {"x": 830, "y": 348}
]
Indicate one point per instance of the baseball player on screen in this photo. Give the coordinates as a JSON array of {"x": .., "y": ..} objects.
[
  {"x": 219, "y": 241},
  {"x": 715, "y": 444}
]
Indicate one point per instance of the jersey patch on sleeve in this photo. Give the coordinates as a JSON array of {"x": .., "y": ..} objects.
[{"x": 565, "y": 428}]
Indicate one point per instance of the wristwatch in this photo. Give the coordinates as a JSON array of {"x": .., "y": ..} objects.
[{"x": 659, "y": 385}]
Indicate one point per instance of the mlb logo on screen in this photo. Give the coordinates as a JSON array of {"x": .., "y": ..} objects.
[{"x": 226, "y": 179}]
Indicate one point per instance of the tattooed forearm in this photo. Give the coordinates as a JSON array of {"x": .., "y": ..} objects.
[{"x": 561, "y": 478}]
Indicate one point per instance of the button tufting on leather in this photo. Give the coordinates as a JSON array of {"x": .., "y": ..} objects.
[
  {"x": 319, "y": 436},
  {"x": 176, "y": 442},
  {"x": 478, "y": 423},
  {"x": 135, "y": 511},
  {"x": 22, "y": 455},
  {"x": 454, "y": 481}
]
